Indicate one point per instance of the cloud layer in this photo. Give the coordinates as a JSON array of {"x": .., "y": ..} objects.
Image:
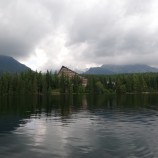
[{"x": 46, "y": 34}]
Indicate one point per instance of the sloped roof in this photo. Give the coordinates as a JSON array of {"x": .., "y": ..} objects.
[
  {"x": 67, "y": 69},
  {"x": 70, "y": 72}
]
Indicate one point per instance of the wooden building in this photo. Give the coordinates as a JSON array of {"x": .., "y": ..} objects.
[{"x": 70, "y": 73}]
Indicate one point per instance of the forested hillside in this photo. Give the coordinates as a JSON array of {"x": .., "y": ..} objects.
[
  {"x": 124, "y": 83},
  {"x": 10, "y": 65},
  {"x": 38, "y": 83}
]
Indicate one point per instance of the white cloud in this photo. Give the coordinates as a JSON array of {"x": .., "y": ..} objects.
[{"x": 46, "y": 34}]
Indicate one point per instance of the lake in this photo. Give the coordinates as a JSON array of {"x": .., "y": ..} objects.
[{"x": 77, "y": 126}]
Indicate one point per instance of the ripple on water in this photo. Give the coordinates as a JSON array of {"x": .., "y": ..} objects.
[{"x": 112, "y": 132}]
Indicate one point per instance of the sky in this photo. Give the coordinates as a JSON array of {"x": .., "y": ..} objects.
[{"x": 46, "y": 34}]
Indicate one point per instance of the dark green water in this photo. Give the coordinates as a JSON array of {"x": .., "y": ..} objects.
[{"x": 79, "y": 126}]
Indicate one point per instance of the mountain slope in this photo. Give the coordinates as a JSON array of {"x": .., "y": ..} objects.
[
  {"x": 9, "y": 64},
  {"x": 118, "y": 69}
]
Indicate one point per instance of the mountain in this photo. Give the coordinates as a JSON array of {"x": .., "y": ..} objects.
[
  {"x": 119, "y": 69},
  {"x": 9, "y": 64}
]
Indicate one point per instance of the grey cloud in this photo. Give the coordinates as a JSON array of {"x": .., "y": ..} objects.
[
  {"x": 93, "y": 31},
  {"x": 107, "y": 33},
  {"x": 22, "y": 26},
  {"x": 140, "y": 42},
  {"x": 138, "y": 8}
]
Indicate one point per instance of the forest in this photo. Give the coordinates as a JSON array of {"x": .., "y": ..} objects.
[{"x": 49, "y": 83}]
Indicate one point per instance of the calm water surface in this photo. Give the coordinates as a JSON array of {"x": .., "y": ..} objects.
[{"x": 79, "y": 126}]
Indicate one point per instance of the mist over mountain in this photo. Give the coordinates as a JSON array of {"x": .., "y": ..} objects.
[
  {"x": 10, "y": 65},
  {"x": 120, "y": 69}
]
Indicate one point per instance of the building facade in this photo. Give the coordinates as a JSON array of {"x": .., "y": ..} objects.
[{"x": 70, "y": 73}]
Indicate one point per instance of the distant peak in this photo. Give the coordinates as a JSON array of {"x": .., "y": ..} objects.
[
  {"x": 11, "y": 65},
  {"x": 2, "y": 55},
  {"x": 119, "y": 69}
]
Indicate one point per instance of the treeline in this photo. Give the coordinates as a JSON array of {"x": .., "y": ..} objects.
[
  {"x": 39, "y": 83},
  {"x": 123, "y": 83},
  {"x": 43, "y": 83}
]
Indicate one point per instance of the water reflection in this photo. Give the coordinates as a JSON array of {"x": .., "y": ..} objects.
[{"x": 79, "y": 126}]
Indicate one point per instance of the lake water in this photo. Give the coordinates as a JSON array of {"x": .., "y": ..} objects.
[{"x": 79, "y": 126}]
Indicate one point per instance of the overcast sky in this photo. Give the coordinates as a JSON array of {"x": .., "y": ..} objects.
[{"x": 46, "y": 34}]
